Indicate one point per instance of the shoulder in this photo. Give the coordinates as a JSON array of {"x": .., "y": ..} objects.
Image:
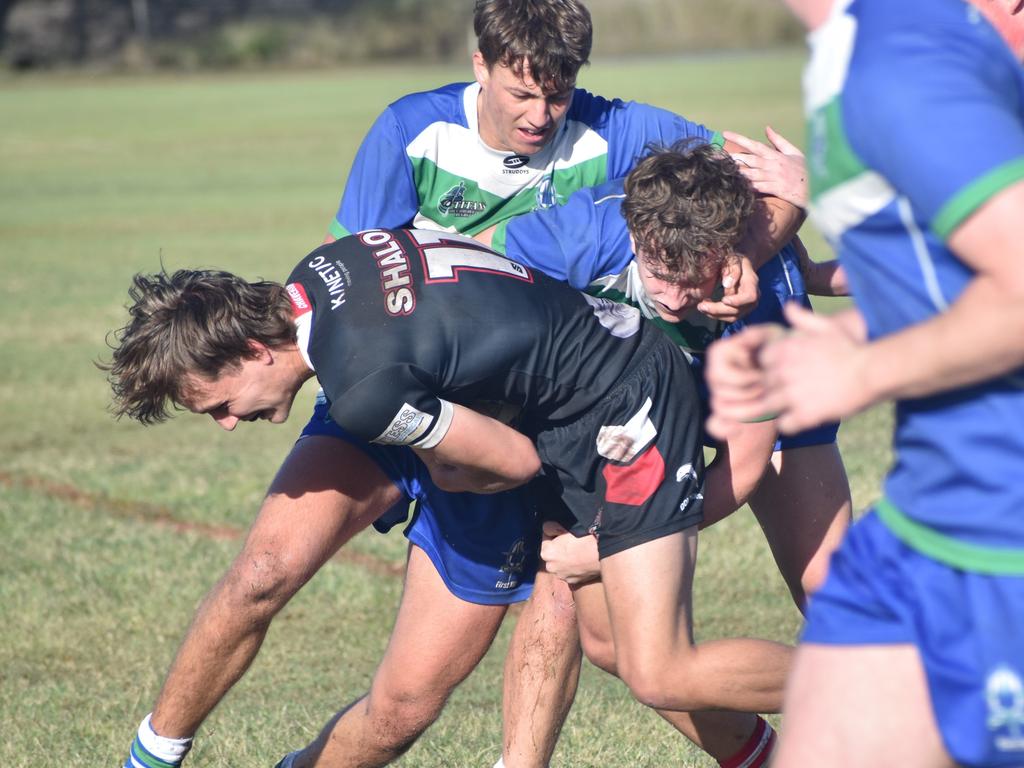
[{"x": 418, "y": 110}]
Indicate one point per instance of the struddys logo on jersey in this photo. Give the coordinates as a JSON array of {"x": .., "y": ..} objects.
[
  {"x": 1004, "y": 694},
  {"x": 454, "y": 202},
  {"x": 515, "y": 562},
  {"x": 515, "y": 164},
  {"x": 393, "y": 263},
  {"x": 335, "y": 276}
]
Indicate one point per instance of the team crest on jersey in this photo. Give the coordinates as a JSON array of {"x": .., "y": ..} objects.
[
  {"x": 454, "y": 203},
  {"x": 1004, "y": 695},
  {"x": 547, "y": 196}
]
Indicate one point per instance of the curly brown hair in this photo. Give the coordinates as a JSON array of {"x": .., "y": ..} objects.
[
  {"x": 687, "y": 207},
  {"x": 190, "y": 323},
  {"x": 550, "y": 38}
]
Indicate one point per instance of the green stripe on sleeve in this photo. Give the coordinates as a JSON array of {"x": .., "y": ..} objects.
[
  {"x": 718, "y": 140},
  {"x": 337, "y": 230},
  {"x": 945, "y": 549},
  {"x": 974, "y": 195}
]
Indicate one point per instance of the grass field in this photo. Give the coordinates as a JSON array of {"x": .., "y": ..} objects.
[{"x": 111, "y": 533}]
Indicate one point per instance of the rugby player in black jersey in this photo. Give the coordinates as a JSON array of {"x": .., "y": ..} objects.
[{"x": 407, "y": 331}]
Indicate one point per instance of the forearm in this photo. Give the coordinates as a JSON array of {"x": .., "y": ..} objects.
[
  {"x": 480, "y": 454},
  {"x": 981, "y": 336},
  {"x": 773, "y": 224},
  {"x": 736, "y": 470},
  {"x": 454, "y": 478},
  {"x": 827, "y": 278}
]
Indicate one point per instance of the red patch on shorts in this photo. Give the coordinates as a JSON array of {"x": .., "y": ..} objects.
[{"x": 636, "y": 482}]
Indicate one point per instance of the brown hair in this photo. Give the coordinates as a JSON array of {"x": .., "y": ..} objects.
[
  {"x": 550, "y": 38},
  {"x": 687, "y": 208},
  {"x": 193, "y": 322}
]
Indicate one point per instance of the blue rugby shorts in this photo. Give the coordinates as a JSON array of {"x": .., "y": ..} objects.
[
  {"x": 485, "y": 547},
  {"x": 968, "y": 628}
]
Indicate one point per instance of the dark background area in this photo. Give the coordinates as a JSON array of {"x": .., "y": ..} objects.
[{"x": 228, "y": 34}]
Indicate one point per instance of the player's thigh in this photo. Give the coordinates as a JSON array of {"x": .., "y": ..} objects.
[
  {"x": 803, "y": 505},
  {"x": 438, "y": 638},
  {"x": 648, "y": 591},
  {"x": 865, "y": 706},
  {"x": 327, "y": 476}
]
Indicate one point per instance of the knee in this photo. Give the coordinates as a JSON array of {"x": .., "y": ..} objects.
[
  {"x": 400, "y": 713},
  {"x": 258, "y": 586},
  {"x": 645, "y": 677}
]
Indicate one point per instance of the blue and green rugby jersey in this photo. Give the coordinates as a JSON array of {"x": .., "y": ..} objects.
[
  {"x": 424, "y": 164},
  {"x": 916, "y": 119}
]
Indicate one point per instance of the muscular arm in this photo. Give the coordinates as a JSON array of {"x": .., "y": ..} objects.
[
  {"x": 985, "y": 325},
  {"x": 737, "y": 469},
  {"x": 824, "y": 370},
  {"x": 480, "y": 455},
  {"x": 325, "y": 492}
]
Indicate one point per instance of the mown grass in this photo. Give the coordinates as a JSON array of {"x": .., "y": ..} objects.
[{"x": 105, "y": 177}]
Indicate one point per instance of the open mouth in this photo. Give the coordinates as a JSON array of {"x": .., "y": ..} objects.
[{"x": 538, "y": 134}]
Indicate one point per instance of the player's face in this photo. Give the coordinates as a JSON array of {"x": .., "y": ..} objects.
[
  {"x": 256, "y": 389},
  {"x": 672, "y": 299},
  {"x": 515, "y": 114}
]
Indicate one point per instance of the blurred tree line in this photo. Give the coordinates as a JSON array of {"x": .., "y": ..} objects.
[{"x": 189, "y": 34}]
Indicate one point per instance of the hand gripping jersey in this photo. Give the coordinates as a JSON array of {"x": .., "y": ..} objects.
[
  {"x": 916, "y": 118},
  {"x": 424, "y": 164},
  {"x": 586, "y": 243}
]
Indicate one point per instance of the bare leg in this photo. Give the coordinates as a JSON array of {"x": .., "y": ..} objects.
[
  {"x": 720, "y": 734},
  {"x": 648, "y": 590},
  {"x": 542, "y": 669},
  {"x": 437, "y": 641},
  {"x": 804, "y": 508},
  {"x": 859, "y": 707}
]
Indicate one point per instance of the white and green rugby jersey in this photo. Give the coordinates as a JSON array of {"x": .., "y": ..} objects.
[{"x": 424, "y": 164}]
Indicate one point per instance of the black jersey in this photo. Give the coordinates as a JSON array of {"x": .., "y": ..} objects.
[{"x": 406, "y": 322}]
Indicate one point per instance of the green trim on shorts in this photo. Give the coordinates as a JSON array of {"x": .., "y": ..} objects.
[
  {"x": 976, "y": 194},
  {"x": 947, "y": 550}
]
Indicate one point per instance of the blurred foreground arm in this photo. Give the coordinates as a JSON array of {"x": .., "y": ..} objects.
[{"x": 825, "y": 370}]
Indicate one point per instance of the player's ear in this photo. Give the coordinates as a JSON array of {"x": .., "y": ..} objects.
[
  {"x": 260, "y": 351},
  {"x": 481, "y": 71}
]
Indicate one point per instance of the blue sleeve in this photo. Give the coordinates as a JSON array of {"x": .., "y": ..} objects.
[
  {"x": 629, "y": 126},
  {"x": 954, "y": 97},
  {"x": 380, "y": 191},
  {"x": 780, "y": 282},
  {"x": 577, "y": 242}
]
